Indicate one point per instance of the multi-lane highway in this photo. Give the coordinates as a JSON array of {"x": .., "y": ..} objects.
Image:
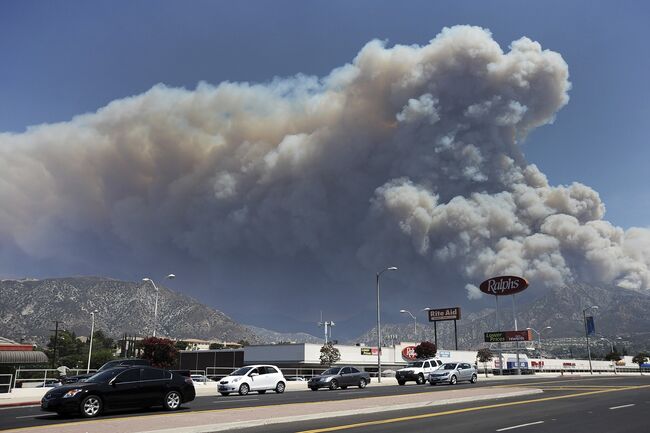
[
  {"x": 578, "y": 406},
  {"x": 572, "y": 404}
]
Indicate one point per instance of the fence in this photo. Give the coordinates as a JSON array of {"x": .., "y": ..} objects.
[
  {"x": 5, "y": 383},
  {"x": 216, "y": 373},
  {"x": 33, "y": 377}
]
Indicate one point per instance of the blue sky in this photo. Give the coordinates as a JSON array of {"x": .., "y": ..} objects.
[{"x": 66, "y": 58}]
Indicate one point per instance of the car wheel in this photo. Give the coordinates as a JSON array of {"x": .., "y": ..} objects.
[
  {"x": 279, "y": 388},
  {"x": 314, "y": 388},
  {"x": 91, "y": 406},
  {"x": 172, "y": 400},
  {"x": 225, "y": 394},
  {"x": 453, "y": 380},
  {"x": 261, "y": 391},
  {"x": 362, "y": 383},
  {"x": 420, "y": 379},
  {"x": 243, "y": 389},
  {"x": 401, "y": 382},
  {"x": 474, "y": 378},
  {"x": 334, "y": 384}
]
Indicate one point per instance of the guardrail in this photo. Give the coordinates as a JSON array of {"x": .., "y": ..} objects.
[
  {"x": 5, "y": 383},
  {"x": 298, "y": 374},
  {"x": 35, "y": 377}
]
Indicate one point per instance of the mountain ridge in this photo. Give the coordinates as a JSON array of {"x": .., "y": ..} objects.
[{"x": 29, "y": 307}]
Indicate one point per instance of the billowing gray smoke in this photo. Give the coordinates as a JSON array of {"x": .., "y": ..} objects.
[{"x": 407, "y": 155}]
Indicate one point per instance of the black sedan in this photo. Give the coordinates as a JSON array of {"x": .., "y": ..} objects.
[
  {"x": 121, "y": 388},
  {"x": 342, "y": 377}
]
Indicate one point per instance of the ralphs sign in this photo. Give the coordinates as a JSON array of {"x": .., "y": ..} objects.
[
  {"x": 505, "y": 285},
  {"x": 409, "y": 354}
]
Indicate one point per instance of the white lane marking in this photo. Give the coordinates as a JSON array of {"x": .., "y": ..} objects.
[
  {"x": 30, "y": 416},
  {"x": 520, "y": 425},
  {"x": 621, "y": 407},
  {"x": 235, "y": 400},
  {"x": 353, "y": 391}
]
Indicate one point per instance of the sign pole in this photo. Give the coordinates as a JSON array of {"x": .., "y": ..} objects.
[
  {"x": 499, "y": 345},
  {"x": 456, "y": 334},
  {"x": 435, "y": 333},
  {"x": 514, "y": 315}
]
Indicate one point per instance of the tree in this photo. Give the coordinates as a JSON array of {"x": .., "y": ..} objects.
[
  {"x": 613, "y": 356},
  {"x": 214, "y": 346},
  {"x": 640, "y": 358},
  {"x": 426, "y": 349},
  {"x": 161, "y": 352},
  {"x": 243, "y": 343},
  {"x": 69, "y": 350},
  {"x": 484, "y": 355},
  {"x": 329, "y": 354},
  {"x": 181, "y": 345}
]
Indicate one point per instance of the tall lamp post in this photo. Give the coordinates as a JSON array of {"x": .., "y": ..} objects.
[
  {"x": 155, "y": 308},
  {"x": 584, "y": 318},
  {"x": 392, "y": 268},
  {"x": 539, "y": 340},
  {"x": 92, "y": 332},
  {"x": 415, "y": 322},
  {"x": 435, "y": 326}
]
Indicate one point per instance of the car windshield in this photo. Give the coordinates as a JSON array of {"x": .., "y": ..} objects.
[
  {"x": 240, "y": 372},
  {"x": 448, "y": 366},
  {"x": 104, "y": 376},
  {"x": 331, "y": 372},
  {"x": 415, "y": 364}
]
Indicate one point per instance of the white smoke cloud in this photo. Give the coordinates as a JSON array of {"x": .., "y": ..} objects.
[{"x": 409, "y": 151}]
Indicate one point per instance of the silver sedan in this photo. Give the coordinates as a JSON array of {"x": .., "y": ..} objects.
[{"x": 452, "y": 373}]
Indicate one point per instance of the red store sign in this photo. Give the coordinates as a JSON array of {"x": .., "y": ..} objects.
[{"x": 408, "y": 353}]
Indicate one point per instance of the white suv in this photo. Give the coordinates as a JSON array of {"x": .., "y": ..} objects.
[
  {"x": 417, "y": 371},
  {"x": 260, "y": 378}
]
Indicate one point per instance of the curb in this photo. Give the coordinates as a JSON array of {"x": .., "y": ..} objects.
[
  {"x": 209, "y": 428},
  {"x": 22, "y": 403}
]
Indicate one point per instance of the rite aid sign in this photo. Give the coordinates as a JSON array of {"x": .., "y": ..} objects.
[
  {"x": 408, "y": 353},
  {"x": 502, "y": 286}
]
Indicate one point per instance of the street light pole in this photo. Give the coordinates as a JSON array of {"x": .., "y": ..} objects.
[
  {"x": 415, "y": 323},
  {"x": 155, "y": 308},
  {"x": 539, "y": 340},
  {"x": 584, "y": 318},
  {"x": 392, "y": 268},
  {"x": 92, "y": 332}
]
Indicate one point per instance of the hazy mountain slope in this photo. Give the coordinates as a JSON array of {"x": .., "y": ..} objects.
[{"x": 28, "y": 309}]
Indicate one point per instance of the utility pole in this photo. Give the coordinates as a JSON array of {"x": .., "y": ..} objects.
[
  {"x": 327, "y": 325},
  {"x": 56, "y": 342}
]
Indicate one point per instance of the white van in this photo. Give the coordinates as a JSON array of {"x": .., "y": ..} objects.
[{"x": 260, "y": 378}]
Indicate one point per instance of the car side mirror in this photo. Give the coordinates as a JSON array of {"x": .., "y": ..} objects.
[{"x": 254, "y": 374}]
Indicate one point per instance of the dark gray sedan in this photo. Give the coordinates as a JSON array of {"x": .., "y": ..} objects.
[{"x": 339, "y": 377}]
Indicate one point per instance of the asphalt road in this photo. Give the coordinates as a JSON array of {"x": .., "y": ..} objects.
[
  {"x": 594, "y": 406},
  {"x": 610, "y": 392}
]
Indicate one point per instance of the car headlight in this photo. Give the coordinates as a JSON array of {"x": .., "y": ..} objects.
[
  {"x": 237, "y": 379},
  {"x": 72, "y": 392}
]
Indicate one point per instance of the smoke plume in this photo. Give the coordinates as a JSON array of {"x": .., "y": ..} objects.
[{"x": 408, "y": 154}]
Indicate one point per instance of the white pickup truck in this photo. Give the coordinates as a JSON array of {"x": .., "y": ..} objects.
[{"x": 417, "y": 371}]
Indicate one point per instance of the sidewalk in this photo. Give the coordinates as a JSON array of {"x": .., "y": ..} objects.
[{"x": 228, "y": 419}]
